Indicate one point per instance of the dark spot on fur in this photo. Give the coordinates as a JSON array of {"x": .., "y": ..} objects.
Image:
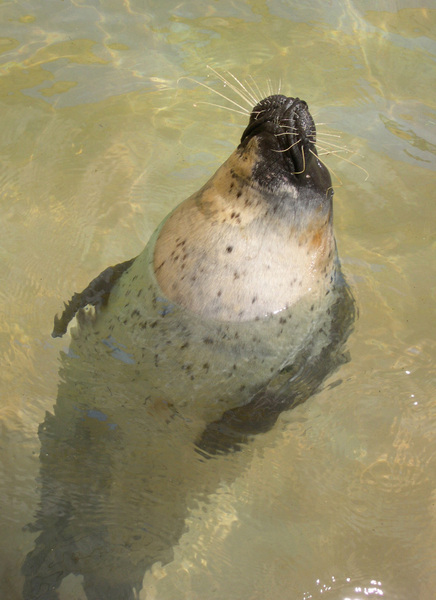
[
  {"x": 235, "y": 275},
  {"x": 206, "y": 366},
  {"x": 153, "y": 325},
  {"x": 136, "y": 313},
  {"x": 208, "y": 340},
  {"x": 253, "y": 300},
  {"x": 219, "y": 293},
  {"x": 312, "y": 307},
  {"x": 282, "y": 320},
  {"x": 239, "y": 194},
  {"x": 229, "y": 249}
]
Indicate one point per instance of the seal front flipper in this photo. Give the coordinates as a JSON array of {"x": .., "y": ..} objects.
[{"x": 96, "y": 294}]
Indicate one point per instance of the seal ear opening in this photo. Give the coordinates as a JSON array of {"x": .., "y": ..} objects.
[{"x": 96, "y": 293}]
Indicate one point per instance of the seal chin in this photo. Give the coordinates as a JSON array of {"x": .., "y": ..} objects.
[{"x": 285, "y": 135}]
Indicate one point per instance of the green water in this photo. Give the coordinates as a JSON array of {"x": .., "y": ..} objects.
[{"x": 101, "y": 135}]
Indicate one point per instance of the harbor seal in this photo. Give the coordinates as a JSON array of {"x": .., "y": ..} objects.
[{"x": 235, "y": 311}]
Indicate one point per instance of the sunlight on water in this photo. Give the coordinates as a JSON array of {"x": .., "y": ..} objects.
[{"x": 102, "y": 135}]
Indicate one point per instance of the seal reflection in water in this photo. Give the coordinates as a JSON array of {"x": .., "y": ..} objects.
[{"x": 235, "y": 311}]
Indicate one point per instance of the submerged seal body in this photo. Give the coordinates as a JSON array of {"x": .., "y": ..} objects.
[{"x": 235, "y": 310}]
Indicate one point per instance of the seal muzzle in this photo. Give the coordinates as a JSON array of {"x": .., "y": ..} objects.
[{"x": 286, "y": 135}]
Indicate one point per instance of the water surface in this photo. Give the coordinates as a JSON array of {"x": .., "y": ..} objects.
[{"x": 102, "y": 134}]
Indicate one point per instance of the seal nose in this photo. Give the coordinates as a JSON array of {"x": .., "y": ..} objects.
[{"x": 299, "y": 121}]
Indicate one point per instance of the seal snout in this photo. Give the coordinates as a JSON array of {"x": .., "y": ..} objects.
[{"x": 284, "y": 134}]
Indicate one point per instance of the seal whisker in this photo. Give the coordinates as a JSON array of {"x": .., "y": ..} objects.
[
  {"x": 304, "y": 162},
  {"x": 247, "y": 90},
  {"x": 281, "y": 134},
  {"x": 231, "y": 86},
  {"x": 328, "y": 143},
  {"x": 286, "y": 150},
  {"x": 327, "y": 152},
  {"x": 336, "y": 153},
  {"x": 208, "y": 87},
  {"x": 240, "y": 112},
  {"x": 334, "y": 173},
  {"x": 252, "y": 91},
  {"x": 288, "y": 128},
  {"x": 336, "y": 135},
  {"x": 256, "y": 87}
]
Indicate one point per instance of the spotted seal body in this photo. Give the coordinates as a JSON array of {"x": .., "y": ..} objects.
[{"x": 235, "y": 311}]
